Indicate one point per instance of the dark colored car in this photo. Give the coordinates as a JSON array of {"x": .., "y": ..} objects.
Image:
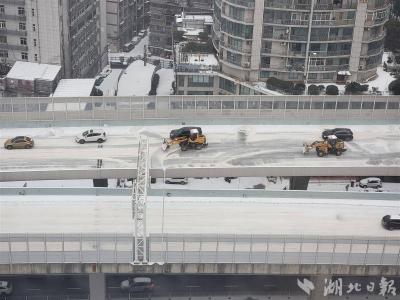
[
  {"x": 137, "y": 284},
  {"x": 183, "y": 132},
  {"x": 391, "y": 222},
  {"x": 345, "y": 134},
  {"x": 19, "y": 142}
]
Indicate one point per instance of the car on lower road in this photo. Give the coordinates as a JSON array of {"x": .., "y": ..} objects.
[
  {"x": 6, "y": 287},
  {"x": 137, "y": 284},
  {"x": 19, "y": 142},
  {"x": 391, "y": 222},
  {"x": 91, "y": 135},
  {"x": 371, "y": 182},
  {"x": 345, "y": 134},
  {"x": 180, "y": 180}
]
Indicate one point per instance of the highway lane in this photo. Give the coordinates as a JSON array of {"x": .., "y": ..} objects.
[
  {"x": 265, "y": 146},
  {"x": 191, "y": 215},
  {"x": 41, "y": 285}
]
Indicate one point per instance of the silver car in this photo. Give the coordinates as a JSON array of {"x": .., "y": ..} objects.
[{"x": 371, "y": 182}]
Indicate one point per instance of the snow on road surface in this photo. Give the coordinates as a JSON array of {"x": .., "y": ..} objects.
[
  {"x": 136, "y": 79},
  {"x": 110, "y": 214},
  {"x": 55, "y": 148}
]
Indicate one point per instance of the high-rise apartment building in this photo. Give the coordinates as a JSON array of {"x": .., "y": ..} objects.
[
  {"x": 162, "y": 20},
  {"x": 125, "y": 18},
  {"x": 300, "y": 40},
  {"x": 71, "y": 33}
]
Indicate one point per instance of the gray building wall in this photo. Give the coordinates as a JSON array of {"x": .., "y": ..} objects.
[
  {"x": 294, "y": 40},
  {"x": 66, "y": 32}
]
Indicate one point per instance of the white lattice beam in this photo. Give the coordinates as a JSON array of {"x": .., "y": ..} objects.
[{"x": 139, "y": 197}]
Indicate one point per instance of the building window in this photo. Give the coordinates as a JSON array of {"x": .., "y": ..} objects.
[
  {"x": 21, "y": 11},
  {"x": 2, "y": 11},
  {"x": 2, "y": 24},
  {"x": 36, "y": 57},
  {"x": 3, "y": 53},
  {"x": 33, "y": 12},
  {"x": 22, "y": 41},
  {"x": 33, "y": 27},
  {"x": 3, "y": 40},
  {"x": 22, "y": 26},
  {"x": 34, "y": 42},
  {"x": 24, "y": 56}
]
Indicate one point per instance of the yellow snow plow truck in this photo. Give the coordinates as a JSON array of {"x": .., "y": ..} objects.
[
  {"x": 331, "y": 145},
  {"x": 186, "y": 138}
]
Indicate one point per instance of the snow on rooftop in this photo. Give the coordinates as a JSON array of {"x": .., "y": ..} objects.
[
  {"x": 205, "y": 18},
  {"x": 136, "y": 79},
  {"x": 199, "y": 59},
  {"x": 30, "y": 71},
  {"x": 74, "y": 87},
  {"x": 166, "y": 79}
]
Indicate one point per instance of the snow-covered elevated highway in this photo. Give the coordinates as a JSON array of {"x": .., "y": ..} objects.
[
  {"x": 267, "y": 150},
  {"x": 274, "y": 228}
]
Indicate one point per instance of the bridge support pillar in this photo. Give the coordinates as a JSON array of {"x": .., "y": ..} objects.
[
  {"x": 298, "y": 183},
  {"x": 97, "y": 286},
  {"x": 319, "y": 286}
]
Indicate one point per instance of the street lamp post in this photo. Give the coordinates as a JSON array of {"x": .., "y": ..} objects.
[{"x": 308, "y": 66}]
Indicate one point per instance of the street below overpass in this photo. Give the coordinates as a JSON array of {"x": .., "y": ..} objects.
[{"x": 209, "y": 287}]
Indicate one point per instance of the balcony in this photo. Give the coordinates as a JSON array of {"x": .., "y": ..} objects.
[
  {"x": 14, "y": 2},
  {"x": 244, "y": 3},
  {"x": 321, "y": 38},
  {"x": 329, "y": 68},
  {"x": 286, "y": 22},
  {"x": 234, "y": 48},
  {"x": 331, "y": 23},
  {"x": 191, "y": 68},
  {"x": 373, "y": 37},
  {"x": 331, "y": 53},
  {"x": 286, "y": 5},
  {"x": 13, "y": 17},
  {"x": 12, "y": 32},
  {"x": 376, "y": 22},
  {"x": 13, "y": 47},
  {"x": 372, "y": 52}
]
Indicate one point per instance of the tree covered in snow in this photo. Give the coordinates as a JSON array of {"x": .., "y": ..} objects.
[
  {"x": 392, "y": 40},
  {"x": 394, "y": 87},
  {"x": 332, "y": 90}
]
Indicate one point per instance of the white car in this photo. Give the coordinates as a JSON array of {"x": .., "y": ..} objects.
[
  {"x": 5, "y": 288},
  {"x": 92, "y": 135},
  {"x": 371, "y": 182}
]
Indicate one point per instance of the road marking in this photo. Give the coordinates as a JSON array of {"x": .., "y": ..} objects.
[
  {"x": 231, "y": 286},
  {"x": 74, "y": 288},
  {"x": 192, "y": 286},
  {"x": 33, "y": 289}
]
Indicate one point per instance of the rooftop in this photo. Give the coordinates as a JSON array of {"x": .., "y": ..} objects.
[
  {"x": 74, "y": 87},
  {"x": 31, "y": 71}
]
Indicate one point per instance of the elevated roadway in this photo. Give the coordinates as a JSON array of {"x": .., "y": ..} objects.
[{"x": 266, "y": 151}]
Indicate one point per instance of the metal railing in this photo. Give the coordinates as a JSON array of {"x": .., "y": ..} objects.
[
  {"x": 191, "y": 248},
  {"x": 172, "y": 107}
]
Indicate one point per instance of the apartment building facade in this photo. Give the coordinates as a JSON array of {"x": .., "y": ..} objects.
[
  {"x": 162, "y": 21},
  {"x": 71, "y": 33},
  {"x": 298, "y": 40},
  {"x": 125, "y": 18}
]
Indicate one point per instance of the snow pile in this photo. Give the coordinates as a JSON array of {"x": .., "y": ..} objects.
[{"x": 136, "y": 79}]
